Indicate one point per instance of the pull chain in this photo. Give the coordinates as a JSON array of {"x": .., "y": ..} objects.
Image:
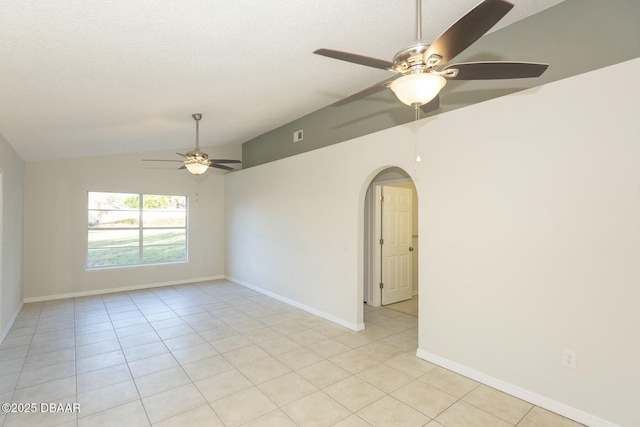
[{"x": 418, "y": 159}]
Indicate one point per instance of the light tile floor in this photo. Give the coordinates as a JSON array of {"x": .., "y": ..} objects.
[
  {"x": 409, "y": 306},
  {"x": 219, "y": 354}
]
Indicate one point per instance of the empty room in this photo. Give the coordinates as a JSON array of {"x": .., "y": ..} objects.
[{"x": 385, "y": 213}]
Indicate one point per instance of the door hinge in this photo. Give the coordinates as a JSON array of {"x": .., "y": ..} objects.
[
  {"x": 382, "y": 198},
  {"x": 382, "y": 241},
  {"x": 381, "y": 285}
]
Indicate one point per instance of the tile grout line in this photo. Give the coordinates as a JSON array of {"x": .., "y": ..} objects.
[
  {"x": 210, "y": 404},
  {"x": 525, "y": 415},
  {"x": 75, "y": 358},
  {"x": 192, "y": 382},
  {"x": 125, "y": 362},
  {"x": 24, "y": 360}
]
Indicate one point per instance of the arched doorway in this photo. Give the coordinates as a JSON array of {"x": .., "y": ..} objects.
[{"x": 390, "y": 276}]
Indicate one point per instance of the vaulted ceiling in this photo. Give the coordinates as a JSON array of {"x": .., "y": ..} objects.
[{"x": 96, "y": 77}]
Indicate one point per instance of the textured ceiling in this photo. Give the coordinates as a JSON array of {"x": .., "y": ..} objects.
[{"x": 99, "y": 77}]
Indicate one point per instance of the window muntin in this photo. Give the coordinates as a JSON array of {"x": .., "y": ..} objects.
[{"x": 132, "y": 229}]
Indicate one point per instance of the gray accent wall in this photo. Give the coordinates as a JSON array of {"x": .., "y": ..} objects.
[{"x": 574, "y": 37}]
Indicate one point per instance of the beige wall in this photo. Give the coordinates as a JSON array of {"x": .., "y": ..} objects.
[
  {"x": 529, "y": 208},
  {"x": 56, "y": 222},
  {"x": 12, "y": 168}
]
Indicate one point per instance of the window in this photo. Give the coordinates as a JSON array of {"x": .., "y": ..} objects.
[{"x": 133, "y": 229}]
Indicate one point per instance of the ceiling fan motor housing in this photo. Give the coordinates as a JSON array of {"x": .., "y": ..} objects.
[
  {"x": 411, "y": 56},
  {"x": 197, "y": 154}
]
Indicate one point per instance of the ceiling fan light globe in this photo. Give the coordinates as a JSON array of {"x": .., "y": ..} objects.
[
  {"x": 196, "y": 168},
  {"x": 418, "y": 89}
]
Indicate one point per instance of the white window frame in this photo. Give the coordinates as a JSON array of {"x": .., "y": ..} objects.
[{"x": 141, "y": 229}]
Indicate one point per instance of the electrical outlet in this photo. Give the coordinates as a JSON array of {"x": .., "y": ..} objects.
[
  {"x": 569, "y": 358},
  {"x": 298, "y": 135}
]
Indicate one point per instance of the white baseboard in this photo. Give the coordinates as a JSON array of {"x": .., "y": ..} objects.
[
  {"x": 121, "y": 289},
  {"x": 7, "y": 328},
  {"x": 529, "y": 396},
  {"x": 353, "y": 326}
]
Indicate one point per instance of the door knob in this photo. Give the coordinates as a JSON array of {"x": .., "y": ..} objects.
[{"x": 410, "y": 248}]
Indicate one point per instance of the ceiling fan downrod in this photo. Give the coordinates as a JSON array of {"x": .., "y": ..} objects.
[
  {"x": 418, "y": 20},
  {"x": 197, "y": 153},
  {"x": 197, "y": 117}
]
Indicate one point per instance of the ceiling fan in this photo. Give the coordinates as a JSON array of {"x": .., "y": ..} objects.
[
  {"x": 421, "y": 70},
  {"x": 196, "y": 161}
]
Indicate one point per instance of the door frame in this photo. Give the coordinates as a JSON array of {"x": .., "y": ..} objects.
[{"x": 372, "y": 294}]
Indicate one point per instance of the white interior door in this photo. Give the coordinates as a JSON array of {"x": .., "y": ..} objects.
[{"x": 397, "y": 271}]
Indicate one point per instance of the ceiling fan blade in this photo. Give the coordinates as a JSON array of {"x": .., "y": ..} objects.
[
  {"x": 356, "y": 59},
  {"x": 496, "y": 70},
  {"x": 223, "y": 161},
  {"x": 183, "y": 155},
  {"x": 215, "y": 165},
  {"x": 464, "y": 32},
  {"x": 432, "y": 105},
  {"x": 157, "y": 160},
  {"x": 365, "y": 92},
  {"x": 182, "y": 167}
]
